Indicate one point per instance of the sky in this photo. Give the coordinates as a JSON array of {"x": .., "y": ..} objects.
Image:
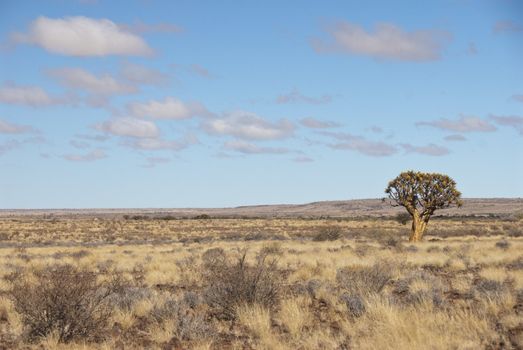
[{"x": 149, "y": 103}]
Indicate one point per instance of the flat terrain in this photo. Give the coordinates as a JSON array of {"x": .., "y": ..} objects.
[{"x": 285, "y": 277}]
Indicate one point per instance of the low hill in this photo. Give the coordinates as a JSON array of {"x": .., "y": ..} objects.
[{"x": 349, "y": 208}]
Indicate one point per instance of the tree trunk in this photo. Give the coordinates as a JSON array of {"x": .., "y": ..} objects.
[{"x": 418, "y": 227}]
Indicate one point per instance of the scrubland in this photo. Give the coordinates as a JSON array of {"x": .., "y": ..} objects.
[{"x": 141, "y": 283}]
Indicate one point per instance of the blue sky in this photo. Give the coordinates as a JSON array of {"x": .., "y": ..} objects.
[{"x": 224, "y": 103}]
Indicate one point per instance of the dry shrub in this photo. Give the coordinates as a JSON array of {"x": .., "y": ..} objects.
[
  {"x": 231, "y": 283},
  {"x": 355, "y": 304},
  {"x": 330, "y": 233},
  {"x": 489, "y": 288},
  {"x": 417, "y": 288},
  {"x": 503, "y": 244},
  {"x": 63, "y": 300},
  {"x": 403, "y": 218},
  {"x": 187, "y": 321},
  {"x": 126, "y": 297},
  {"x": 365, "y": 280}
]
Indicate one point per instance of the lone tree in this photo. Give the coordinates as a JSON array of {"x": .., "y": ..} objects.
[{"x": 422, "y": 194}]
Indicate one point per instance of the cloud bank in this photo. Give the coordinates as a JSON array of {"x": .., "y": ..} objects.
[
  {"x": 249, "y": 126},
  {"x": 463, "y": 124},
  {"x": 386, "y": 41},
  {"x": 83, "y": 36},
  {"x": 168, "y": 108}
]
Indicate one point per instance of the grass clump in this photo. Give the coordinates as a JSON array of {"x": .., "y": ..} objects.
[{"x": 365, "y": 280}]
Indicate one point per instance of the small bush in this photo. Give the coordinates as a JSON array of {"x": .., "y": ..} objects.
[
  {"x": 366, "y": 279},
  {"x": 412, "y": 249},
  {"x": 489, "y": 288},
  {"x": 213, "y": 257},
  {"x": 313, "y": 286},
  {"x": 126, "y": 297},
  {"x": 503, "y": 244},
  {"x": 234, "y": 283},
  {"x": 331, "y": 233},
  {"x": 272, "y": 249},
  {"x": 189, "y": 324},
  {"x": 355, "y": 304},
  {"x": 63, "y": 300},
  {"x": 202, "y": 217},
  {"x": 403, "y": 218}
]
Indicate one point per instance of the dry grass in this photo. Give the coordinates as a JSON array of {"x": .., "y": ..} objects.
[{"x": 189, "y": 284}]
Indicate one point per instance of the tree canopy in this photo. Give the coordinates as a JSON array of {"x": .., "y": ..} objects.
[{"x": 422, "y": 194}]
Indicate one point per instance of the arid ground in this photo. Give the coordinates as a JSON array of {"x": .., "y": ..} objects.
[{"x": 262, "y": 278}]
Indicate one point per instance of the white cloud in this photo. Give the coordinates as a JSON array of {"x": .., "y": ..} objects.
[
  {"x": 9, "y": 146},
  {"x": 247, "y": 125},
  {"x": 168, "y": 108},
  {"x": 88, "y": 157},
  {"x": 130, "y": 127},
  {"x": 83, "y": 36},
  {"x": 430, "y": 149},
  {"x": 97, "y": 138},
  {"x": 472, "y": 49},
  {"x": 318, "y": 124},
  {"x": 513, "y": 121},
  {"x": 138, "y": 74},
  {"x": 303, "y": 159},
  {"x": 26, "y": 95},
  {"x": 376, "y": 129},
  {"x": 387, "y": 41},
  {"x": 155, "y": 144},
  {"x": 360, "y": 144},
  {"x": 296, "y": 96},
  {"x": 463, "y": 124},
  {"x": 141, "y": 27},
  {"x": 151, "y": 162},
  {"x": 506, "y": 27},
  {"x": 11, "y": 128},
  {"x": 250, "y": 148},
  {"x": 455, "y": 137},
  {"x": 201, "y": 71},
  {"x": 79, "y": 144},
  {"x": 518, "y": 98},
  {"x": 104, "y": 84}
]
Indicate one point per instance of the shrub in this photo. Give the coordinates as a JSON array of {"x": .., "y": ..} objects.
[
  {"x": 313, "y": 286},
  {"x": 403, "y": 294},
  {"x": 64, "y": 300},
  {"x": 391, "y": 241},
  {"x": 365, "y": 280},
  {"x": 330, "y": 233},
  {"x": 403, "y": 218},
  {"x": 489, "y": 288},
  {"x": 126, "y": 297},
  {"x": 214, "y": 257},
  {"x": 412, "y": 249},
  {"x": 355, "y": 304},
  {"x": 202, "y": 217},
  {"x": 503, "y": 244},
  {"x": 188, "y": 323},
  {"x": 272, "y": 249},
  {"x": 234, "y": 283}
]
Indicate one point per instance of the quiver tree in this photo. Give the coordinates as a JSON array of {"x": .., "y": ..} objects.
[{"x": 422, "y": 194}]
